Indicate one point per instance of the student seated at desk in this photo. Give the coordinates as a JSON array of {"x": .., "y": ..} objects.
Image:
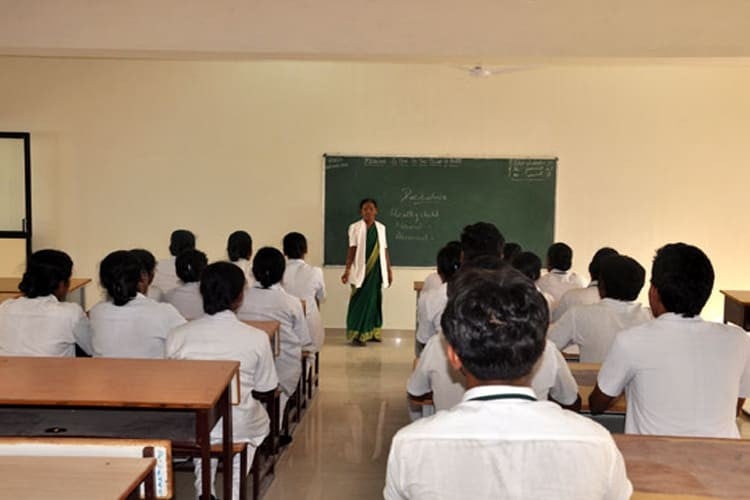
[
  {"x": 219, "y": 335},
  {"x": 499, "y": 441},
  {"x": 128, "y": 324},
  {"x": 166, "y": 273},
  {"x": 479, "y": 239},
  {"x": 433, "y": 280},
  {"x": 267, "y": 300},
  {"x": 306, "y": 283},
  {"x": 432, "y": 302},
  {"x": 583, "y": 296},
  {"x": 41, "y": 323},
  {"x": 682, "y": 375},
  {"x": 559, "y": 278},
  {"x": 530, "y": 265},
  {"x": 239, "y": 251},
  {"x": 186, "y": 298},
  {"x": 593, "y": 327},
  {"x": 148, "y": 273}
]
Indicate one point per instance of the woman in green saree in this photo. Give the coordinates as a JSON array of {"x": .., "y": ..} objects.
[{"x": 368, "y": 271}]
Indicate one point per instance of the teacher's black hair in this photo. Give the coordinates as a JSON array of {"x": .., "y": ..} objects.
[{"x": 368, "y": 200}]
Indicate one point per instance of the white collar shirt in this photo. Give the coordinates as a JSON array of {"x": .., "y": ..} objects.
[
  {"x": 556, "y": 283},
  {"x": 576, "y": 297},
  {"x": 137, "y": 329},
  {"x": 358, "y": 239},
  {"x": 430, "y": 307},
  {"x": 247, "y": 269},
  {"x": 593, "y": 327},
  {"x": 274, "y": 303},
  {"x": 510, "y": 448},
  {"x": 432, "y": 281},
  {"x": 553, "y": 378},
  {"x": 165, "y": 275},
  {"x": 223, "y": 337},
  {"x": 681, "y": 376},
  {"x": 306, "y": 282},
  {"x": 187, "y": 299},
  {"x": 42, "y": 326}
]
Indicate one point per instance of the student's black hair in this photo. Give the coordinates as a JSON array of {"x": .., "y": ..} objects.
[
  {"x": 496, "y": 321},
  {"x": 190, "y": 265},
  {"x": 491, "y": 262},
  {"x": 684, "y": 277},
  {"x": 239, "y": 246},
  {"x": 595, "y": 263},
  {"x": 221, "y": 285},
  {"x": 45, "y": 270},
  {"x": 295, "y": 245},
  {"x": 119, "y": 274},
  {"x": 268, "y": 266},
  {"x": 559, "y": 256},
  {"x": 146, "y": 259},
  {"x": 510, "y": 250},
  {"x": 621, "y": 277},
  {"x": 368, "y": 200},
  {"x": 481, "y": 238},
  {"x": 529, "y": 264},
  {"x": 181, "y": 240},
  {"x": 448, "y": 261}
]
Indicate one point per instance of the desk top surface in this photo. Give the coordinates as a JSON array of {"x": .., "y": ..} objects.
[
  {"x": 62, "y": 478},
  {"x": 619, "y": 406},
  {"x": 585, "y": 373},
  {"x": 418, "y": 285},
  {"x": 10, "y": 285},
  {"x": 742, "y": 296},
  {"x": 688, "y": 467},
  {"x": 108, "y": 382}
]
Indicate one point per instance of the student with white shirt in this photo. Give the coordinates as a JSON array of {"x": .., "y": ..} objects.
[
  {"x": 583, "y": 296},
  {"x": 267, "y": 300},
  {"x": 433, "y": 280},
  {"x": 219, "y": 335},
  {"x": 682, "y": 376},
  {"x": 481, "y": 238},
  {"x": 166, "y": 273},
  {"x": 530, "y": 265},
  {"x": 239, "y": 251},
  {"x": 186, "y": 298},
  {"x": 306, "y": 283},
  {"x": 432, "y": 302},
  {"x": 559, "y": 278},
  {"x": 128, "y": 324},
  {"x": 499, "y": 441},
  {"x": 593, "y": 327},
  {"x": 41, "y": 323},
  {"x": 148, "y": 272}
]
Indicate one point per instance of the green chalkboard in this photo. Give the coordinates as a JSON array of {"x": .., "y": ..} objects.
[{"x": 425, "y": 202}]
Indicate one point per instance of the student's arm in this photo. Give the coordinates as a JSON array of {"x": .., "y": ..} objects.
[
  {"x": 615, "y": 374},
  {"x": 82, "y": 332},
  {"x": 565, "y": 390},
  {"x": 393, "y": 486},
  {"x": 561, "y": 332},
  {"x": 599, "y": 402},
  {"x": 388, "y": 264},
  {"x": 349, "y": 260},
  {"x": 618, "y": 485},
  {"x": 740, "y": 404}
]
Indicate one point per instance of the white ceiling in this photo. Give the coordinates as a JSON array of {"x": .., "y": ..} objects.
[{"x": 423, "y": 30}]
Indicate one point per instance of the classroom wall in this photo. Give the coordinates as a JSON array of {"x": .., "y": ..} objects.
[
  {"x": 123, "y": 151},
  {"x": 12, "y": 256}
]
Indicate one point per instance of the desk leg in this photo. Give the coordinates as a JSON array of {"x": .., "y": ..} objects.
[
  {"x": 204, "y": 442},
  {"x": 226, "y": 412}
]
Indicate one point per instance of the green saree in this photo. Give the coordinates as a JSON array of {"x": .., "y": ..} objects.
[{"x": 364, "y": 318}]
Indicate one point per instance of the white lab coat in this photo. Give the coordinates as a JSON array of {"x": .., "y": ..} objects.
[
  {"x": 187, "y": 299},
  {"x": 358, "y": 238},
  {"x": 165, "y": 275},
  {"x": 306, "y": 282}
]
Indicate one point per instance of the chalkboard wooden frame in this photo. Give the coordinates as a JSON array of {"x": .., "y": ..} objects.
[{"x": 518, "y": 194}]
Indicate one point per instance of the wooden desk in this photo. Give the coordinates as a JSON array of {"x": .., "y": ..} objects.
[
  {"x": 737, "y": 308},
  {"x": 418, "y": 285},
  {"x": 92, "y": 396},
  {"x": 665, "y": 467},
  {"x": 271, "y": 328},
  {"x": 62, "y": 478},
  {"x": 9, "y": 289}
]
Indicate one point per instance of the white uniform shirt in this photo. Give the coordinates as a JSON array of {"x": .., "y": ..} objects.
[
  {"x": 682, "y": 376},
  {"x": 247, "y": 269},
  {"x": 556, "y": 283},
  {"x": 165, "y": 275},
  {"x": 273, "y": 303},
  {"x": 432, "y": 281},
  {"x": 434, "y": 374},
  {"x": 593, "y": 327},
  {"x": 576, "y": 297},
  {"x": 306, "y": 282},
  {"x": 136, "y": 330},
  {"x": 358, "y": 238},
  {"x": 430, "y": 307},
  {"x": 42, "y": 326},
  {"x": 223, "y": 337},
  {"x": 187, "y": 299},
  {"x": 505, "y": 448}
]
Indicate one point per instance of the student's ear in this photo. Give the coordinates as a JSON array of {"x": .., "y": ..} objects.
[
  {"x": 654, "y": 301},
  {"x": 453, "y": 358},
  {"x": 62, "y": 290}
]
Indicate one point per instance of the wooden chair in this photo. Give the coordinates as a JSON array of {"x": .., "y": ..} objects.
[{"x": 159, "y": 484}]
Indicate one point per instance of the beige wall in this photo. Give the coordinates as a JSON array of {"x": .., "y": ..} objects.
[
  {"x": 125, "y": 151},
  {"x": 12, "y": 257}
]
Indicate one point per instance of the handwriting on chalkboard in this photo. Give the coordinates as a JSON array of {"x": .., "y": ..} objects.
[
  {"x": 420, "y": 198},
  {"x": 530, "y": 170}
]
